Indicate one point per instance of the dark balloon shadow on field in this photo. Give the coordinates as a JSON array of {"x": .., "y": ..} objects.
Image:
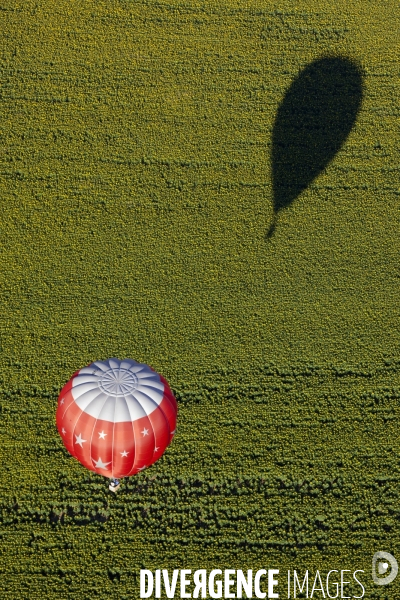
[{"x": 312, "y": 123}]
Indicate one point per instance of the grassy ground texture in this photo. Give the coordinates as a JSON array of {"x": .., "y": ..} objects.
[{"x": 137, "y": 193}]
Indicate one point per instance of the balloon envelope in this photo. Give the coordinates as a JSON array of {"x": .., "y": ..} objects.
[{"x": 116, "y": 417}]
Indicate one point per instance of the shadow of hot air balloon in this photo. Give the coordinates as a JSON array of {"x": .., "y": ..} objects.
[{"x": 312, "y": 123}]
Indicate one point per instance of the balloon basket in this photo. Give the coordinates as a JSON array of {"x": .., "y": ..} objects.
[{"x": 114, "y": 488}]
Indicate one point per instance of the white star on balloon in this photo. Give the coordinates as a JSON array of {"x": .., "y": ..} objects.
[
  {"x": 156, "y": 448},
  {"x": 79, "y": 440},
  {"x": 62, "y": 401},
  {"x": 63, "y": 431},
  {"x": 145, "y": 431},
  {"x": 124, "y": 453},
  {"x": 102, "y": 435},
  {"x": 99, "y": 464}
]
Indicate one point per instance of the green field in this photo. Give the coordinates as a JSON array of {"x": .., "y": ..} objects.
[{"x": 137, "y": 192}]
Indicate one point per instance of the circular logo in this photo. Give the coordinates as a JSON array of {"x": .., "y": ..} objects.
[{"x": 382, "y": 560}]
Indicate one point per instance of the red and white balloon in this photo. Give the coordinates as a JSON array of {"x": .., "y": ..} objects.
[{"x": 116, "y": 417}]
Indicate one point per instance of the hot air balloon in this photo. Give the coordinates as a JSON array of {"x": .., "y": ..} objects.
[{"x": 116, "y": 417}]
